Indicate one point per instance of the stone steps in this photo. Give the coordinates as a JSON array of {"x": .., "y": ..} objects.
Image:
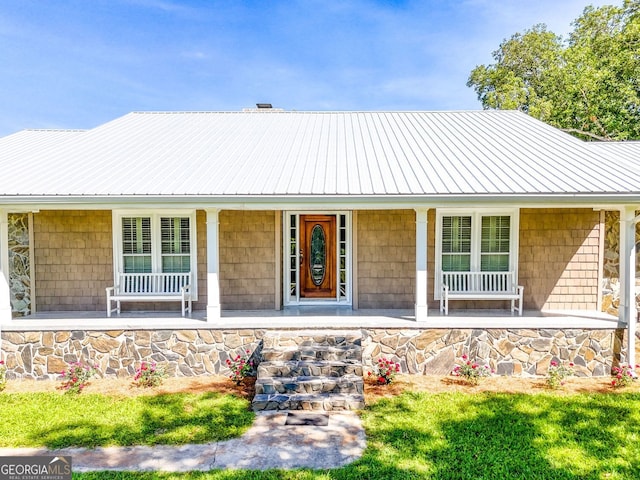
[
  {"x": 307, "y": 369},
  {"x": 315, "y": 384},
  {"x": 312, "y": 353},
  {"x": 310, "y": 370},
  {"x": 318, "y": 401}
]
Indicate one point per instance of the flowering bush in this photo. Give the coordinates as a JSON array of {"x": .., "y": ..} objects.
[
  {"x": 557, "y": 373},
  {"x": 240, "y": 367},
  {"x": 3, "y": 375},
  {"x": 76, "y": 377},
  {"x": 471, "y": 372},
  {"x": 623, "y": 375},
  {"x": 385, "y": 371},
  {"x": 149, "y": 375}
]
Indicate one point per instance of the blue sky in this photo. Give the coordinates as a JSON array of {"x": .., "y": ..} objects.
[{"x": 80, "y": 63}]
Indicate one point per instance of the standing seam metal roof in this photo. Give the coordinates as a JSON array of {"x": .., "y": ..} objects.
[{"x": 312, "y": 154}]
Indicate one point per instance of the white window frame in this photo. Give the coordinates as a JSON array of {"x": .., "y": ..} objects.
[
  {"x": 293, "y": 300},
  {"x": 476, "y": 215},
  {"x": 156, "y": 236}
]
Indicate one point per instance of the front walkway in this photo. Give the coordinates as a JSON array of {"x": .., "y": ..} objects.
[{"x": 268, "y": 444}]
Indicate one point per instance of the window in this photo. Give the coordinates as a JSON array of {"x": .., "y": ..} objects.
[
  {"x": 475, "y": 241},
  {"x": 157, "y": 242}
]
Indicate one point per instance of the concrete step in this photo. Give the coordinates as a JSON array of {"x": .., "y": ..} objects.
[
  {"x": 312, "y": 353},
  {"x": 345, "y": 384},
  {"x": 330, "y": 338},
  {"x": 309, "y": 369},
  {"x": 318, "y": 401}
]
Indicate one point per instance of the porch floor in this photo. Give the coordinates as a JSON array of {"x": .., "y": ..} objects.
[{"x": 313, "y": 317}]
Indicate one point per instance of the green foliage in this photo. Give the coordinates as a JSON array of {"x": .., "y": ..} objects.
[
  {"x": 90, "y": 420},
  {"x": 384, "y": 371},
  {"x": 149, "y": 375},
  {"x": 557, "y": 373},
  {"x": 470, "y": 371},
  {"x": 76, "y": 377},
  {"x": 588, "y": 84}
]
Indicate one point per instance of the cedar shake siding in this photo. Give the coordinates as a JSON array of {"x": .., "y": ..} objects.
[
  {"x": 558, "y": 262},
  {"x": 73, "y": 259},
  {"x": 247, "y": 260},
  {"x": 386, "y": 259}
]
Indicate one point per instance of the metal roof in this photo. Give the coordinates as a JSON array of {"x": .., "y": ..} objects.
[{"x": 276, "y": 154}]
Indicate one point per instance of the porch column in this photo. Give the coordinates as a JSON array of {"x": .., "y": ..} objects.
[
  {"x": 5, "y": 293},
  {"x": 213, "y": 266},
  {"x": 421, "y": 264},
  {"x": 627, "y": 310}
]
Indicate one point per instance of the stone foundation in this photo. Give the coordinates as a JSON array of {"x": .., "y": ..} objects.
[{"x": 191, "y": 352}]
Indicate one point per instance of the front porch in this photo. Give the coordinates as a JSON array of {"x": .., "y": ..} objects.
[{"x": 315, "y": 317}]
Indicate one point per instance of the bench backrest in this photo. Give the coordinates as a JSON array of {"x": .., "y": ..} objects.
[
  {"x": 479, "y": 282},
  {"x": 153, "y": 283}
]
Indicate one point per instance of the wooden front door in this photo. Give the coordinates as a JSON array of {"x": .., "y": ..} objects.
[{"x": 318, "y": 256}]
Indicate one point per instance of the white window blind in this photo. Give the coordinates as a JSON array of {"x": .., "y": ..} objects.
[
  {"x": 136, "y": 244},
  {"x": 456, "y": 243},
  {"x": 176, "y": 244}
]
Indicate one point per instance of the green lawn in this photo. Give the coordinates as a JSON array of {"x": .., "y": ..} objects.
[
  {"x": 55, "y": 421},
  {"x": 411, "y": 436}
]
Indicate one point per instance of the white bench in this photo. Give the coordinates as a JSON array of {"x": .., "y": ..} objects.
[
  {"x": 150, "y": 287},
  {"x": 480, "y": 286}
]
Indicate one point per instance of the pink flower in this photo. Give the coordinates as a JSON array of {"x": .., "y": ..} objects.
[
  {"x": 554, "y": 363},
  {"x": 464, "y": 357}
]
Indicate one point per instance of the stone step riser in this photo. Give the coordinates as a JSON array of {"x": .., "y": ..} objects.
[
  {"x": 327, "y": 403},
  {"x": 300, "y": 369},
  {"x": 273, "y": 341},
  {"x": 320, "y": 385},
  {"x": 309, "y": 355}
]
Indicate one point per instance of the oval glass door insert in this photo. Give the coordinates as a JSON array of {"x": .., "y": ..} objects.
[{"x": 318, "y": 255}]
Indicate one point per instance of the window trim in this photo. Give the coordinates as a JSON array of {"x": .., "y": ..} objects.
[
  {"x": 156, "y": 239},
  {"x": 476, "y": 215}
]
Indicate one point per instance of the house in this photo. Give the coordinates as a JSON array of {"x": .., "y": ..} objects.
[{"x": 274, "y": 211}]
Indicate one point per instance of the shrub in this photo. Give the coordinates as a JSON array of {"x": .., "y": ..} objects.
[
  {"x": 385, "y": 371},
  {"x": 557, "y": 373},
  {"x": 76, "y": 377},
  {"x": 240, "y": 367},
  {"x": 3, "y": 375},
  {"x": 149, "y": 375},
  {"x": 470, "y": 371},
  {"x": 623, "y": 375}
]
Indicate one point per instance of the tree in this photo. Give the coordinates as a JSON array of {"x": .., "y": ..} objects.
[{"x": 588, "y": 84}]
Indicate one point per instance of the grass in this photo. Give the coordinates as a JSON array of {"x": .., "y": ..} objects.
[
  {"x": 410, "y": 436},
  {"x": 56, "y": 421}
]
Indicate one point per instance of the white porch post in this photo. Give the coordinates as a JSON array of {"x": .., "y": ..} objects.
[
  {"x": 213, "y": 266},
  {"x": 5, "y": 292},
  {"x": 421, "y": 265},
  {"x": 627, "y": 310}
]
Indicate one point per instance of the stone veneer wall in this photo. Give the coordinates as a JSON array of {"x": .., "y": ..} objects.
[
  {"x": 247, "y": 260},
  {"x": 611, "y": 266},
  {"x": 386, "y": 258},
  {"x": 190, "y": 352},
  {"x": 19, "y": 264},
  {"x": 559, "y": 258},
  {"x": 73, "y": 259}
]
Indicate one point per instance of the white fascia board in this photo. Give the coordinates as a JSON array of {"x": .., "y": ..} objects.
[{"x": 322, "y": 202}]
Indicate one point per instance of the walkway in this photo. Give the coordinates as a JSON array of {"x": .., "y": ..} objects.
[{"x": 269, "y": 443}]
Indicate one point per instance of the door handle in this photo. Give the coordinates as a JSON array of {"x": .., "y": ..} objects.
[{"x": 301, "y": 257}]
